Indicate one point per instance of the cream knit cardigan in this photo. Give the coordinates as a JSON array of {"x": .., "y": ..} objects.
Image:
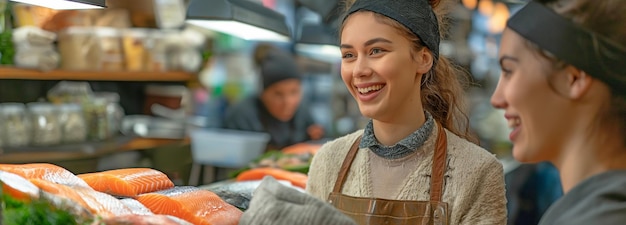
[{"x": 474, "y": 179}]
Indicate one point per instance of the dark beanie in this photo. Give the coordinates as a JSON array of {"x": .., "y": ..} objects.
[{"x": 278, "y": 66}]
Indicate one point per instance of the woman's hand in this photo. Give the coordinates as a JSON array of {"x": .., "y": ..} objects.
[{"x": 315, "y": 132}]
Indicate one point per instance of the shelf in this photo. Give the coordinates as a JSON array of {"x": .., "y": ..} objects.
[
  {"x": 86, "y": 150},
  {"x": 29, "y": 74}
]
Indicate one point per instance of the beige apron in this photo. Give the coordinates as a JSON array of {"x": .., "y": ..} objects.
[{"x": 395, "y": 212}]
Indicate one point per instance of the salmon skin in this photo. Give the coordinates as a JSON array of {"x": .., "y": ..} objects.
[
  {"x": 136, "y": 207},
  {"x": 198, "y": 206},
  {"x": 96, "y": 202},
  {"x": 44, "y": 171},
  {"x": 104, "y": 204},
  {"x": 60, "y": 190},
  {"x": 295, "y": 178},
  {"x": 128, "y": 182},
  {"x": 17, "y": 187},
  {"x": 144, "y": 220},
  {"x": 24, "y": 190}
]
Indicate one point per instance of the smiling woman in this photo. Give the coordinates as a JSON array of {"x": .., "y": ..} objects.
[
  {"x": 418, "y": 129},
  {"x": 563, "y": 89},
  {"x": 413, "y": 162}
]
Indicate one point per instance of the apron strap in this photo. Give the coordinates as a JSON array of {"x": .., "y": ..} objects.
[
  {"x": 439, "y": 166},
  {"x": 345, "y": 167}
]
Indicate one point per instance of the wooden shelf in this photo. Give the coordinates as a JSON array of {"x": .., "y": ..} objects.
[
  {"x": 29, "y": 74},
  {"x": 87, "y": 151}
]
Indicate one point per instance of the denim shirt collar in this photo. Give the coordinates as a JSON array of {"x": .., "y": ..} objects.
[{"x": 401, "y": 149}]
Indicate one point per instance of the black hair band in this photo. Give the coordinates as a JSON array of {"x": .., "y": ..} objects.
[
  {"x": 593, "y": 53},
  {"x": 416, "y": 15}
]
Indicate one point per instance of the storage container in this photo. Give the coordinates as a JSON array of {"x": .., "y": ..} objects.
[
  {"x": 15, "y": 125},
  {"x": 78, "y": 48},
  {"x": 73, "y": 124},
  {"x": 226, "y": 148},
  {"x": 1, "y": 128},
  {"x": 46, "y": 126},
  {"x": 170, "y": 96},
  {"x": 111, "y": 50},
  {"x": 156, "y": 49},
  {"x": 91, "y": 48},
  {"x": 96, "y": 117},
  {"x": 114, "y": 111},
  {"x": 134, "y": 42}
]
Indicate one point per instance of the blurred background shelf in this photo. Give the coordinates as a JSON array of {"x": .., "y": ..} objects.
[
  {"x": 29, "y": 74},
  {"x": 82, "y": 151}
]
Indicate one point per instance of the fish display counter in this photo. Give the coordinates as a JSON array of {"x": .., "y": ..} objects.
[
  {"x": 45, "y": 193},
  {"x": 289, "y": 166},
  {"x": 239, "y": 193}
]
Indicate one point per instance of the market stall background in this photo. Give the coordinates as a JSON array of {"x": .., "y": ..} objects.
[{"x": 142, "y": 76}]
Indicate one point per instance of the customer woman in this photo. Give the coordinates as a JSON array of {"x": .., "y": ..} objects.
[
  {"x": 563, "y": 87},
  {"x": 413, "y": 162}
]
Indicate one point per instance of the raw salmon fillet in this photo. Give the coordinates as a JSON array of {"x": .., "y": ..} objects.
[
  {"x": 295, "y": 178},
  {"x": 17, "y": 186},
  {"x": 127, "y": 182},
  {"x": 302, "y": 148},
  {"x": 59, "y": 190},
  {"x": 198, "y": 206},
  {"x": 45, "y": 171},
  {"x": 96, "y": 202}
]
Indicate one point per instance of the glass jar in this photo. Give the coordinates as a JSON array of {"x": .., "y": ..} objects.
[
  {"x": 135, "y": 51},
  {"x": 15, "y": 125},
  {"x": 156, "y": 47},
  {"x": 46, "y": 127},
  {"x": 96, "y": 118},
  {"x": 73, "y": 124},
  {"x": 89, "y": 48},
  {"x": 79, "y": 49},
  {"x": 111, "y": 50},
  {"x": 1, "y": 128},
  {"x": 114, "y": 111}
]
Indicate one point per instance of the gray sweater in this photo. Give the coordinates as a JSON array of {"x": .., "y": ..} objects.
[{"x": 599, "y": 200}]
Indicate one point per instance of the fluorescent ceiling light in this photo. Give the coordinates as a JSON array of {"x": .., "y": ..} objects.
[
  {"x": 67, "y": 4},
  {"x": 241, "y": 18},
  {"x": 326, "y": 53},
  {"x": 241, "y": 30},
  {"x": 319, "y": 42}
]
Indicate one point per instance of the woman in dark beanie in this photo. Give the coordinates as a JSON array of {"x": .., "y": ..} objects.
[{"x": 277, "y": 110}]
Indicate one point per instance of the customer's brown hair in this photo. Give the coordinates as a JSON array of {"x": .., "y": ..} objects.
[{"x": 442, "y": 90}]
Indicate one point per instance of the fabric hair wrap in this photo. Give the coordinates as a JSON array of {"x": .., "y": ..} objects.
[
  {"x": 593, "y": 53},
  {"x": 278, "y": 66},
  {"x": 417, "y": 15}
]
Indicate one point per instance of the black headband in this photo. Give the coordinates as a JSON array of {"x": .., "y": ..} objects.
[
  {"x": 417, "y": 15},
  {"x": 591, "y": 52}
]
